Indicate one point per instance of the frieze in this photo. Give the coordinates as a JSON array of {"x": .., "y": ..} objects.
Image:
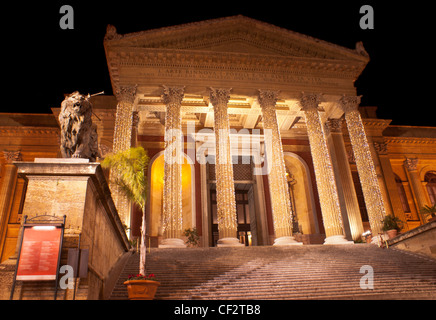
[
  {"x": 249, "y": 76},
  {"x": 28, "y": 131},
  {"x": 410, "y": 140},
  {"x": 233, "y": 62}
]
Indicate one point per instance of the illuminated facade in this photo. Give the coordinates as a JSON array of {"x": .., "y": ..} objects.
[{"x": 275, "y": 149}]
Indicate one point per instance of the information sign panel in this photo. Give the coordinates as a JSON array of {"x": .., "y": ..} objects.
[{"x": 39, "y": 253}]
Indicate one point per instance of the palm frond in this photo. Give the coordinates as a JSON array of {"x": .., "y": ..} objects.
[{"x": 128, "y": 172}]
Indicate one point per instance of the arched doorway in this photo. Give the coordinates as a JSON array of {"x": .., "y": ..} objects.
[
  {"x": 155, "y": 197},
  {"x": 301, "y": 192}
]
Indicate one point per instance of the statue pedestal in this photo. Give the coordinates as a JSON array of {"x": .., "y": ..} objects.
[{"x": 78, "y": 189}]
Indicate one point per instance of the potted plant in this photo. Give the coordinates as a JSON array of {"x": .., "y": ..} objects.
[
  {"x": 128, "y": 173},
  {"x": 429, "y": 211},
  {"x": 392, "y": 225},
  {"x": 193, "y": 239},
  {"x": 141, "y": 287}
]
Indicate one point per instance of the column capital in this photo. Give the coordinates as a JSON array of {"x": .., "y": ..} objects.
[
  {"x": 173, "y": 95},
  {"x": 349, "y": 103},
  {"x": 334, "y": 125},
  {"x": 411, "y": 164},
  {"x": 310, "y": 100},
  {"x": 219, "y": 96},
  {"x": 267, "y": 97},
  {"x": 126, "y": 93},
  {"x": 11, "y": 156}
]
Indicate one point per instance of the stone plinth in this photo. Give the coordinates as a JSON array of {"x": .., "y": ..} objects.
[{"x": 78, "y": 189}]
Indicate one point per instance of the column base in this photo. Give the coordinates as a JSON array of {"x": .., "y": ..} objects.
[
  {"x": 172, "y": 243},
  {"x": 229, "y": 242},
  {"x": 340, "y": 239},
  {"x": 286, "y": 241}
]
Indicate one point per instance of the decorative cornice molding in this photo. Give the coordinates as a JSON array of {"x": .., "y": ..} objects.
[
  {"x": 28, "y": 131},
  {"x": 196, "y": 34},
  {"x": 157, "y": 57},
  {"x": 409, "y": 140}
]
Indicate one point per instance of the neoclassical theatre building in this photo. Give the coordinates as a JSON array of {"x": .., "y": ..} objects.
[{"x": 255, "y": 136}]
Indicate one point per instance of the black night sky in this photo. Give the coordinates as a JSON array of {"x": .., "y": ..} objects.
[{"x": 41, "y": 61}]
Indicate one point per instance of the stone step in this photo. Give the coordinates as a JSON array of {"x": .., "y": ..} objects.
[{"x": 303, "y": 272}]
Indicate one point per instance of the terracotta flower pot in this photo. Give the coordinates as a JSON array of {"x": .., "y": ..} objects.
[
  {"x": 368, "y": 239},
  {"x": 141, "y": 289},
  {"x": 392, "y": 233}
]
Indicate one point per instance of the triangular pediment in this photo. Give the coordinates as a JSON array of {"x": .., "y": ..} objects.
[{"x": 236, "y": 34}]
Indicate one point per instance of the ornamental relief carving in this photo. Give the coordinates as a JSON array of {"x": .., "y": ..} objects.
[
  {"x": 233, "y": 62},
  {"x": 310, "y": 101},
  {"x": 11, "y": 156},
  {"x": 381, "y": 147},
  {"x": 411, "y": 164}
]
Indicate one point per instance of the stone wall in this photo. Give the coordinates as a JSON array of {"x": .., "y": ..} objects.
[
  {"x": 77, "y": 189},
  {"x": 421, "y": 240}
]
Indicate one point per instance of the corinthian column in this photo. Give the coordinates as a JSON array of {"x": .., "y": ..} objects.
[
  {"x": 124, "y": 118},
  {"x": 364, "y": 162},
  {"x": 325, "y": 179},
  {"x": 122, "y": 141},
  {"x": 411, "y": 164},
  {"x": 278, "y": 186},
  {"x": 172, "y": 192},
  {"x": 225, "y": 186}
]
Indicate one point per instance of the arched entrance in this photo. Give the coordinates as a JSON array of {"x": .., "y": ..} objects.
[
  {"x": 155, "y": 196},
  {"x": 301, "y": 192}
]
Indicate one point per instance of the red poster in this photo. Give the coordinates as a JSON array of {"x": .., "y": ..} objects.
[{"x": 39, "y": 253}]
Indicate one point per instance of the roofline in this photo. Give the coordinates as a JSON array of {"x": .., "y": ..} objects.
[{"x": 357, "y": 53}]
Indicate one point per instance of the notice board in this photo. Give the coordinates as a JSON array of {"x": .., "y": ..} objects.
[{"x": 39, "y": 253}]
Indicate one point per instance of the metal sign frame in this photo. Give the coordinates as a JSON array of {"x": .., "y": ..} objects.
[{"x": 38, "y": 221}]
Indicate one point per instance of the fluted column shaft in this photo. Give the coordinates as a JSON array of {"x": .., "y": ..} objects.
[
  {"x": 346, "y": 190},
  {"x": 225, "y": 187},
  {"x": 124, "y": 118},
  {"x": 122, "y": 141},
  {"x": 325, "y": 179},
  {"x": 279, "y": 191},
  {"x": 364, "y": 162},
  {"x": 172, "y": 189},
  {"x": 411, "y": 165}
]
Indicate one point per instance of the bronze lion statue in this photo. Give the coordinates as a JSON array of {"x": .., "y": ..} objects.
[{"x": 78, "y": 134}]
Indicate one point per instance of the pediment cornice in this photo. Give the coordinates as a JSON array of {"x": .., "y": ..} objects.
[
  {"x": 234, "y": 34},
  {"x": 237, "y": 50}
]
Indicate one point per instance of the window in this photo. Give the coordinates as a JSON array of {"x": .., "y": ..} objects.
[
  {"x": 402, "y": 192},
  {"x": 430, "y": 178}
]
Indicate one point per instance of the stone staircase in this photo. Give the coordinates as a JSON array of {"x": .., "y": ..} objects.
[{"x": 300, "y": 272}]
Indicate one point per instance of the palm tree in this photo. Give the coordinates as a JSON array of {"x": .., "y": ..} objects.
[
  {"x": 128, "y": 173},
  {"x": 428, "y": 210}
]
